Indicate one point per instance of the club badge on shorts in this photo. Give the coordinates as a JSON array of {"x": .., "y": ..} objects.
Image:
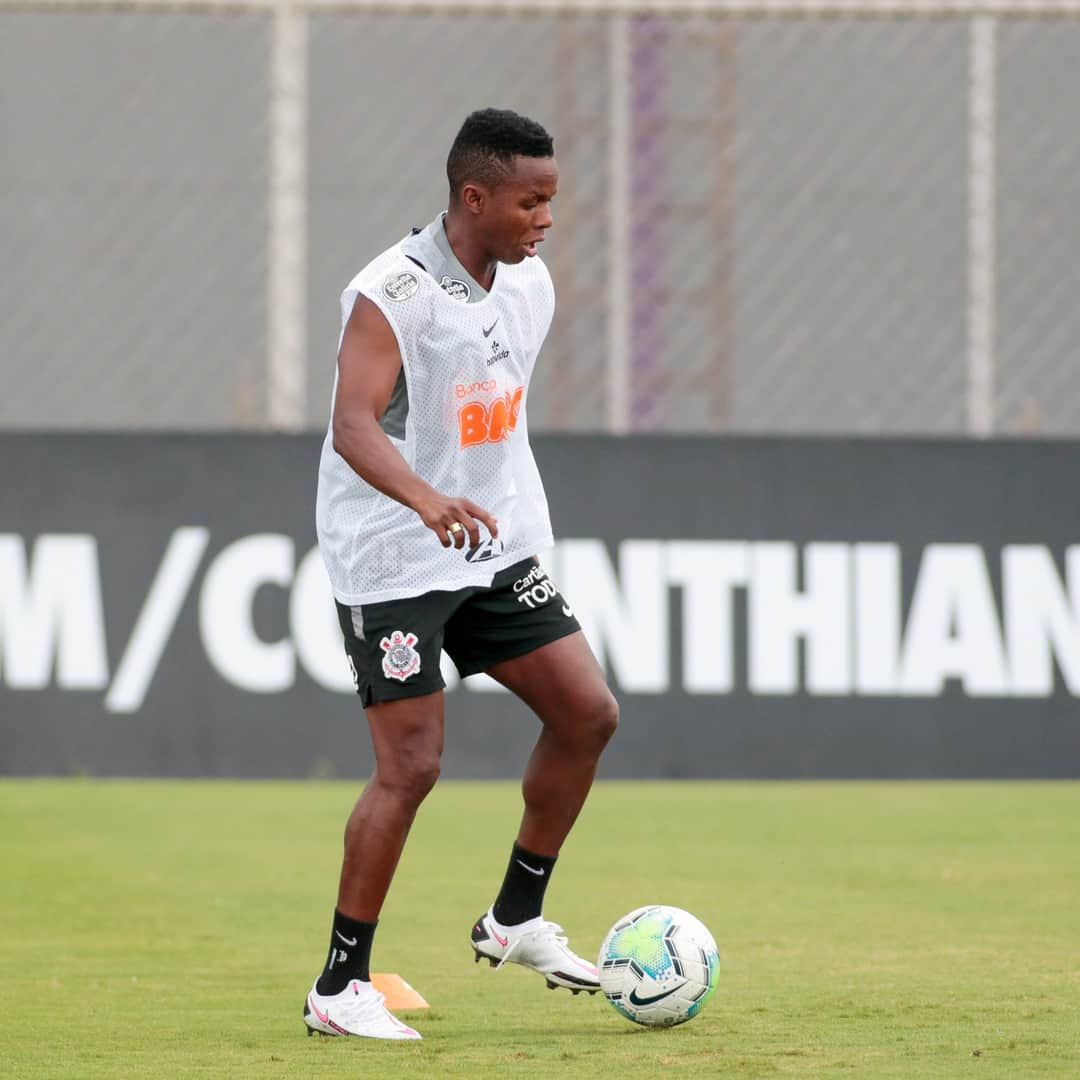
[{"x": 401, "y": 659}]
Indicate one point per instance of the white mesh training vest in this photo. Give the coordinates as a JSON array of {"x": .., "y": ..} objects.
[{"x": 467, "y": 369}]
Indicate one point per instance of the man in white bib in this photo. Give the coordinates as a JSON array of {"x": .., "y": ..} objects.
[{"x": 430, "y": 516}]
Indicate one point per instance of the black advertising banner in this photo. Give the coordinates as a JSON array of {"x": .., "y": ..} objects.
[{"x": 764, "y": 607}]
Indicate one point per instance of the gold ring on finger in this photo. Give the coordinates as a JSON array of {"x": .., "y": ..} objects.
[{"x": 457, "y": 527}]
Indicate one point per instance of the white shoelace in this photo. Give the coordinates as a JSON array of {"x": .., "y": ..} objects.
[
  {"x": 544, "y": 929},
  {"x": 362, "y": 1006}
]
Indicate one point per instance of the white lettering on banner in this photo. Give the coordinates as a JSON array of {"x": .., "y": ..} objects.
[
  {"x": 707, "y": 572},
  {"x": 225, "y": 615},
  {"x": 314, "y": 627},
  {"x": 952, "y": 630},
  {"x": 449, "y": 672},
  {"x": 780, "y": 615},
  {"x": 483, "y": 684},
  {"x": 876, "y": 610},
  {"x": 1041, "y": 621},
  {"x": 51, "y": 614},
  {"x": 156, "y": 620},
  {"x": 838, "y": 608},
  {"x": 625, "y": 618}
]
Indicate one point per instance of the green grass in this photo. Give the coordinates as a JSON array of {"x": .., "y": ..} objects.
[{"x": 152, "y": 929}]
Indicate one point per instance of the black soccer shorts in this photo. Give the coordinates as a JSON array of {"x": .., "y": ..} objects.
[{"x": 394, "y": 647}]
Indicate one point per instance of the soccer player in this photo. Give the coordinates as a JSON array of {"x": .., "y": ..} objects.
[{"x": 430, "y": 515}]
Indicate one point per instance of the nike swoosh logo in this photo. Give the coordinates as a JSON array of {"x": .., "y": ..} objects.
[
  {"x": 503, "y": 941},
  {"x": 348, "y": 941},
  {"x": 538, "y": 873},
  {"x": 324, "y": 1017},
  {"x": 635, "y": 1000},
  {"x": 487, "y": 332},
  {"x": 568, "y": 611}
]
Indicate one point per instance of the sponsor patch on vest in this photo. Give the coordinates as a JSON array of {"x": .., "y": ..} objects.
[
  {"x": 400, "y": 286},
  {"x": 455, "y": 289},
  {"x": 401, "y": 659},
  {"x": 486, "y": 549}
]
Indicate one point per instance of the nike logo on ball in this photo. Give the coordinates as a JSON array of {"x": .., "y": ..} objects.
[
  {"x": 538, "y": 873},
  {"x": 635, "y": 1000}
]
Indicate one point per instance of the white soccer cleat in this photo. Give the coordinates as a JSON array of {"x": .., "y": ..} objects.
[
  {"x": 357, "y": 1010},
  {"x": 535, "y": 944}
]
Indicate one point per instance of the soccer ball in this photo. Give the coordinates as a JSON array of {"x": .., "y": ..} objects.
[{"x": 658, "y": 966}]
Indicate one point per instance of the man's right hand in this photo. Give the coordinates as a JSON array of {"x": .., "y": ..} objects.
[{"x": 454, "y": 521}]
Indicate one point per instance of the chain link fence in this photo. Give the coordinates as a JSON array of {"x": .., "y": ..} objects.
[{"x": 766, "y": 223}]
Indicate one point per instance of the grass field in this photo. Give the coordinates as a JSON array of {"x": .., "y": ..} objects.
[{"x": 157, "y": 929}]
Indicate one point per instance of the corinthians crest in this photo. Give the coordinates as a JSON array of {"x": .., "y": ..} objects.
[{"x": 401, "y": 659}]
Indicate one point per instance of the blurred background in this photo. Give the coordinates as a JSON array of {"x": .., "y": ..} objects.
[
  {"x": 837, "y": 218},
  {"x": 807, "y": 415}
]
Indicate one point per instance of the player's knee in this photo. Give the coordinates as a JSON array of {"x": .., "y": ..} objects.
[
  {"x": 410, "y": 778},
  {"x": 419, "y": 776},
  {"x": 603, "y": 720}
]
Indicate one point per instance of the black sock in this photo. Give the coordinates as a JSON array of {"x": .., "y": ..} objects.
[
  {"x": 349, "y": 956},
  {"x": 522, "y": 894}
]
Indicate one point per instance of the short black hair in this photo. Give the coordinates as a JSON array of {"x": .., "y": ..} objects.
[{"x": 487, "y": 144}]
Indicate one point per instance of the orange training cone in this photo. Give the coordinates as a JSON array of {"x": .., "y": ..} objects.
[{"x": 399, "y": 994}]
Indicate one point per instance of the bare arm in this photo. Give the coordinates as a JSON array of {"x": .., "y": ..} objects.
[{"x": 368, "y": 367}]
